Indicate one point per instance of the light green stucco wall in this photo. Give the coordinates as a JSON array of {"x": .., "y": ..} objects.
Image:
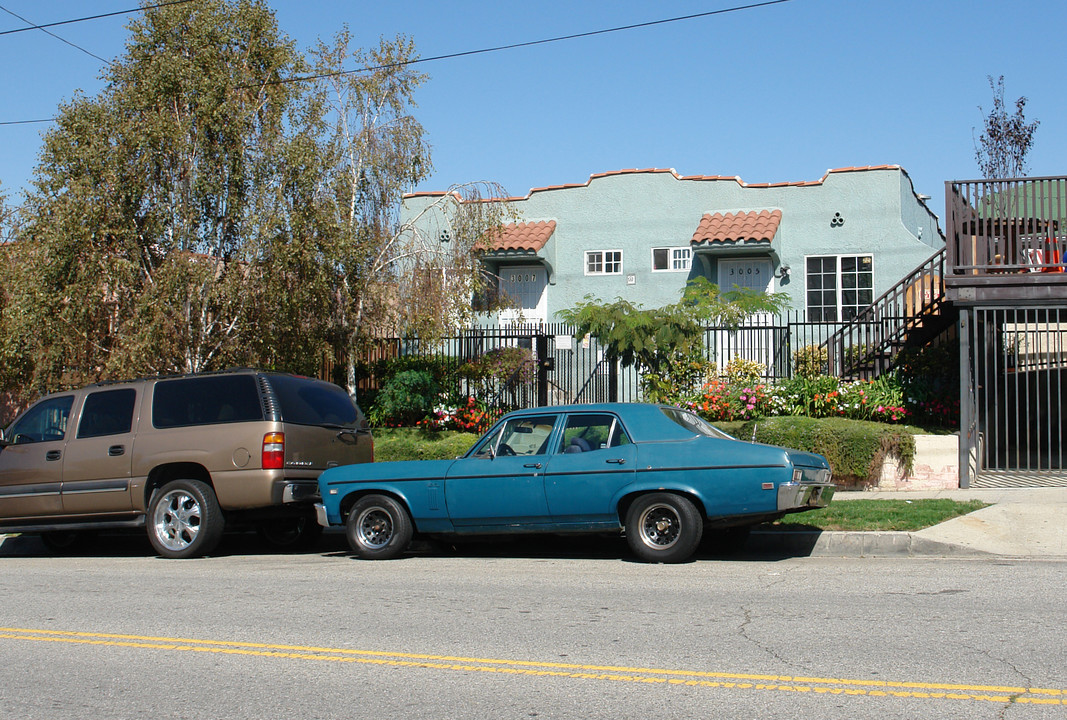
[{"x": 636, "y": 211}]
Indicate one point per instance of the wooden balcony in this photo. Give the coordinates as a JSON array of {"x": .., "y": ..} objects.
[{"x": 1006, "y": 241}]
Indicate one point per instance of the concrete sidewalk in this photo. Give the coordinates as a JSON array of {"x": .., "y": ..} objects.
[{"x": 1020, "y": 522}]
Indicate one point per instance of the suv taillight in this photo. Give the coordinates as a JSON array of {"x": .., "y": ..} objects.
[{"x": 274, "y": 451}]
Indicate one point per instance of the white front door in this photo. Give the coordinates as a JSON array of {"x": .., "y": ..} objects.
[
  {"x": 525, "y": 286},
  {"x": 750, "y": 341}
]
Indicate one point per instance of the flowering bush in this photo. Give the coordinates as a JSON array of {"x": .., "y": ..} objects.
[
  {"x": 472, "y": 416},
  {"x": 887, "y": 413},
  {"x": 818, "y": 397},
  {"x": 719, "y": 401}
]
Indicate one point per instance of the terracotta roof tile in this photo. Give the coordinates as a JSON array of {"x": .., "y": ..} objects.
[
  {"x": 529, "y": 237},
  {"x": 687, "y": 178},
  {"x": 742, "y": 227}
]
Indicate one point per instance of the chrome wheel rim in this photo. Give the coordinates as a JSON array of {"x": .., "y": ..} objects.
[
  {"x": 374, "y": 527},
  {"x": 177, "y": 520},
  {"x": 659, "y": 526}
]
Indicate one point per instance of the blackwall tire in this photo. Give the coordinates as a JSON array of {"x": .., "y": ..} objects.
[
  {"x": 184, "y": 519},
  {"x": 378, "y": 528},
  {"x": 663, "y": 528}
]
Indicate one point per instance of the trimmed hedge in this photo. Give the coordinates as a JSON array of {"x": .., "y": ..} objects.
[
  {"x": 856, "y": 449},
  {"x": 392, "y": 444}
]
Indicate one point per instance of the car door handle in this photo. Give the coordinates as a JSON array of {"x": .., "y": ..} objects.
[
  {"x": 53, "y": 455},
  {"x": 116, "y": 450},
  {"x": 536, "y": 466},
  {"x": 617, "y": 461}
]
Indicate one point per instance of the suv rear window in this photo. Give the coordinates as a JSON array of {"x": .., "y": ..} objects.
[
  {"x": 206, "y": 401},
  {"x": 305, "y": 401}
]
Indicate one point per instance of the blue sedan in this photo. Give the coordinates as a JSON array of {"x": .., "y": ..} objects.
[{"x": 660, "y": 473}]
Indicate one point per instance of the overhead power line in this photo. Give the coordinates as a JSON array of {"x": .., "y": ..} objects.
[
  {"x": 466, "y": 53},
  {"x": 49, "y": 32},
  {"x": 92, "y": 17},
  {"x": 529, "y": 43}
]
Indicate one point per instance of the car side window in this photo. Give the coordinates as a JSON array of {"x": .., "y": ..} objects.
[
  {"x": 520, "y": 436},
  {"x": 589, "y": 432},
  {"x": 44, "y": 422},
  {"x": 205, "y": 401},
  {"x": 107, "y": 412}
]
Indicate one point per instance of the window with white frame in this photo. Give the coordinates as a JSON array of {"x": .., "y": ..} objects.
[
  {"x": 671, "y": 259},
  {"x": 603, "y": 262},
  {"x": 838, "y": 287}
]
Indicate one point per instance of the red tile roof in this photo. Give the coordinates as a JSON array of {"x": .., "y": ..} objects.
[
  {"x": 742, "y": 227},
  {"x": 529, "y": 237}
]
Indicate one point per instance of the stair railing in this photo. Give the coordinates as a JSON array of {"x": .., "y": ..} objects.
[{"x": 870, "y": 341}]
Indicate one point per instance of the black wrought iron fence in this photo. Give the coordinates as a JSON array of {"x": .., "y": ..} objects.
[{"x": 559, "y": 369}]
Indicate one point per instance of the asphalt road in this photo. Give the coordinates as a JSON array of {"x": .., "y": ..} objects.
[{"x": 520, "y": 630}]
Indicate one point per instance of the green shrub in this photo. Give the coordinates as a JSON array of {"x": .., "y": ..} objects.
[
  {"x": 930, "y": 378},
  {"x": 855, "y": 449},
  {"x": 811, "y": 361},
  {"x": 405, "y": 399},
  {"x": 391, "y": 444},
  {"x": 743, "y": 372}
]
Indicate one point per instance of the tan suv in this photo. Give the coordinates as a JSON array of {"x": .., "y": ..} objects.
[{"x": 185, "y": 457}]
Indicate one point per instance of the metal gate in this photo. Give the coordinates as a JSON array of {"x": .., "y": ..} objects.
[{"x": 1014, "y": 362}]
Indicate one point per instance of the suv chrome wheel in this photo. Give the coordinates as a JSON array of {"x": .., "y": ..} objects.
[{"x": 185, "y": 519}]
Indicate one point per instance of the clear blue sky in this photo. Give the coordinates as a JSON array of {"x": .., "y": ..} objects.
[{"x": 772, "y": 94}]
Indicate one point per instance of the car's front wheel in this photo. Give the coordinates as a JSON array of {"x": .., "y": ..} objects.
[
  {"x": 663, "y": 528},
  {"x": 378, "y": 528},
  {"x": 184, "y": 519}
]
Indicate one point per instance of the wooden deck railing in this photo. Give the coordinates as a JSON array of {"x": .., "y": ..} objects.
[{"x": 1006, "y": 239}]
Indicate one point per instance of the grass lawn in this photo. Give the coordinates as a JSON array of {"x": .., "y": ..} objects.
[{"x": 906, "y": 515}]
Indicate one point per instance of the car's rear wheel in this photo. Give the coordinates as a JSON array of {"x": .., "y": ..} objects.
[
  {"x": 184, "y": 519},
  {"x": 378, "y": 528},
  {"x": 290, "y": 534},
  {"x": 663, "y": 528}
]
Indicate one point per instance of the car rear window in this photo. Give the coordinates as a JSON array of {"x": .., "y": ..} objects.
[
  {"x": 304, "y": 401},
  {"x": 205, "y": 401},
  {"x": 692, "y": 421}
]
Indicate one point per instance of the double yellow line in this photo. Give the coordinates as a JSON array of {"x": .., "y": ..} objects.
[{"x": 691, "y": 678}]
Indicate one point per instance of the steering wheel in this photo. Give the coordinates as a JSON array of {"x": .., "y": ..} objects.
[{"x": 505, "y": 449}]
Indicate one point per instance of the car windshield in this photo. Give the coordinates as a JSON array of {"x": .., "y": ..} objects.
[{"x": 692, "y": 421}]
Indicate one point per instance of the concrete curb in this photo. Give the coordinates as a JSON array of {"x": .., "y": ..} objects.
[{"x": 817, "y": 543}]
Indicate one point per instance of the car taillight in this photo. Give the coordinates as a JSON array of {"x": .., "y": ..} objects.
[{"x": 274, "y": 451}]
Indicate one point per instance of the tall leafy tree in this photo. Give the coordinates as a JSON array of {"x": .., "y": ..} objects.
[
  {"x": 391, "y": 278},
  {"x": 152, "y": 200},
  {"x": 666, "y": 343},
  {"x": 1006, "y": 140}
]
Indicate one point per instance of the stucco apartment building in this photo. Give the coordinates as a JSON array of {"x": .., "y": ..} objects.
[{"x": 833, "y": 244}]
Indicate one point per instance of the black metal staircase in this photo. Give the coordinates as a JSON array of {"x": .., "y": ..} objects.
[{"x": 910, "y": 314}]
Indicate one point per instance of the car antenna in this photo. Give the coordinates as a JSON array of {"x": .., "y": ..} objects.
[{"x": 754, "y": 426}]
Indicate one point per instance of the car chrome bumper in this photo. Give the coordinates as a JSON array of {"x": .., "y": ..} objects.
[
  {"x": 795, "y": 496},
  {"x": 320, "y": 515}
]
